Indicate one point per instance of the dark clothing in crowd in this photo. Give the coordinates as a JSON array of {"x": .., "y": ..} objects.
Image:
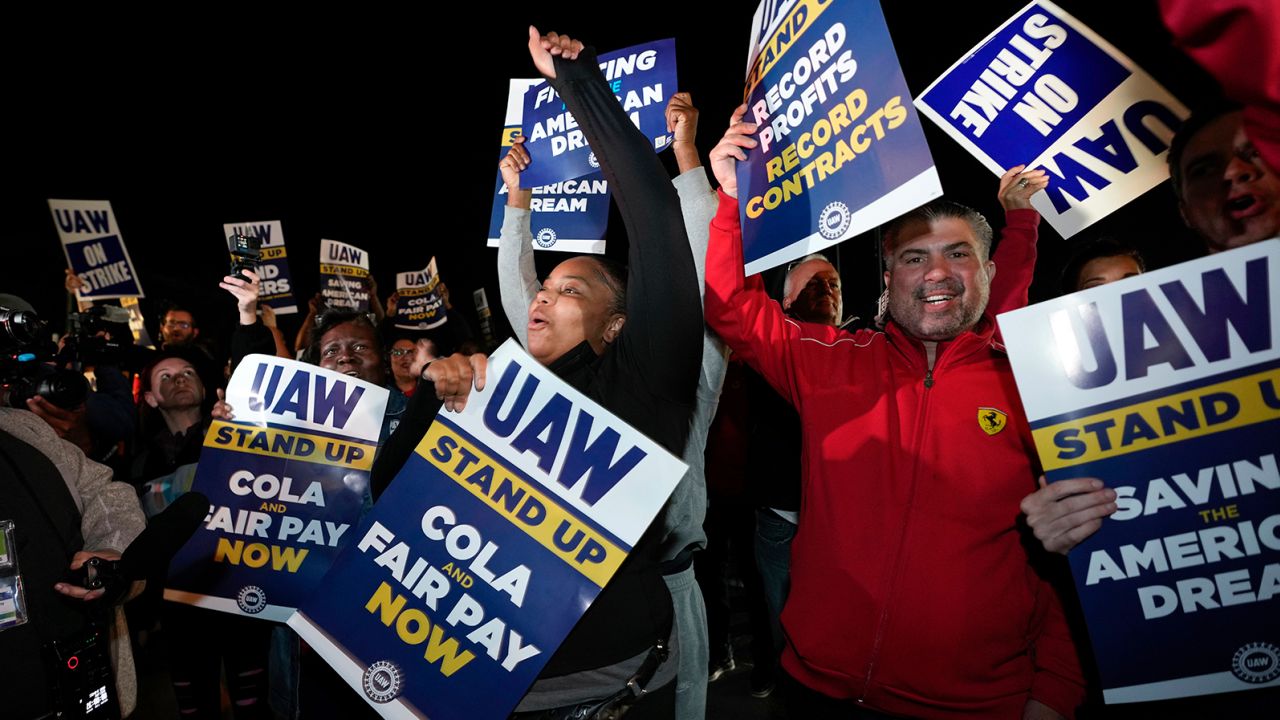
[{"x": 647, "y": 377}]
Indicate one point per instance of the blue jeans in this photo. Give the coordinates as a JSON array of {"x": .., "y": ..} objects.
[{"x": 773, "y": 558}]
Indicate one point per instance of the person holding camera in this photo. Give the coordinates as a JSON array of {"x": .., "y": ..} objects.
[{"x": 61, "y": 510}]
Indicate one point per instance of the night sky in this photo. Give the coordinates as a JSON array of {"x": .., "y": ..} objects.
[{"x": 379, "y": 128}]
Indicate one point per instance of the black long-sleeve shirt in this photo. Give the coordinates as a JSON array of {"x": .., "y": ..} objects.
[{"x": 648, "y": 377}]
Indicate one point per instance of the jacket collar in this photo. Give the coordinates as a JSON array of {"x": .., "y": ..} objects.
[
  {"x": 574, "y": 361},
  {"x": 971, "y": 341}
]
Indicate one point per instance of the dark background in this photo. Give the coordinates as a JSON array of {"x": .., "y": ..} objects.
[{"x": 378, "y": 128}]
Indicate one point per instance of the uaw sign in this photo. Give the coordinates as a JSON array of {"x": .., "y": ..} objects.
[
  {"x": 273, "y": 266},
  {"x": 286, "y": 481},
  {"x": 841, "y": 150},
  {"x": 567, "y": 215},
  {"x": 95, "y": 250},
  {"x": 1045, "y": 90},
  {"x": 419, "y": 303},
  {"x": 642, "y": 78},
  {"x": 486, "y": 549},
  {"x": 344, "y": 275},
  {"x": 1166, "y": 386}
]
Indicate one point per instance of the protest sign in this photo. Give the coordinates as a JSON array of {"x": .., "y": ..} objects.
[
  {"x": 642, "y": 77},
  {"x": 419, "y": 304},
  {"x": 841, "y": 149},
  {"x": 568, "y": 216},
  {"x": 1046, "y": 91},
  {"x": 1166, "y": 386},
  {"x": 286, "y": 480},
  {"x": 94, "y": 248},
  {"x": 344, "y": 275},
  {"x": 496, "y": 536},
  {"x": 273, "y": 266}
]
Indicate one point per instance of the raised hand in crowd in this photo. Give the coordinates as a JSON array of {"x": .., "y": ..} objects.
[
  {"x": 682, "y": 121},
  {"x": 304, "y": 333},
  {"x": 72, "y": 282},
  {"x": 543, "y": 47},
  {"x": 269, "y": 320},
  {"x": 1017, "y": 187},
  {"x": 375, "y": 304},
  {"x": 221, "y": 410},
  {"x": 246, "y": 294},
  {"x": 1063, "y": 514},
  {"x": 511, "y": 166},
  {"x": 454, "y": 377},
  {"x": 392, "y": 301},
  {"x": 726, "y": 154},
  {"x": 70, "y": 425}
]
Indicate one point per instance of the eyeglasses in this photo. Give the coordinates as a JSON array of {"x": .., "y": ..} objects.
[
  {"x": 183, "y": 324},
  {"x": 400, "y": 352}
]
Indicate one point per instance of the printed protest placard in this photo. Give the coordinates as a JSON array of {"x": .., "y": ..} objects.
[
  {"x": 344, "y": 275},
  {"x": 94, "y": 248},
  {"x": 498, "y": 533},
  {"x": 273, "y": 267},
  {"x": 841, "y": 148},
  {"x": 419, "y": 304},
  {"x": 642, "y": 77},
  {"x": 1045, "y": 90},
  {"x": 568, "y": 216},
  {"x": 1166, "y": 386},
  {"x": 286, "y": 480}
]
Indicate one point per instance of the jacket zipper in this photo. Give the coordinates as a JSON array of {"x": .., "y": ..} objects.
[{"x": 902, "y": 538}]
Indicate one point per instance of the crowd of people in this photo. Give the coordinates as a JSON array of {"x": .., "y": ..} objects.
[{"x": 894, "y": 564}]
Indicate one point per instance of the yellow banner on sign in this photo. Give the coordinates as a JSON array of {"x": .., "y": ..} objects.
[
  {"x": 1194, "y": 413},
  {"x": 801, "y": 18},
  {"x": 540, "y": 516},
  {"x": 351, "y": 270},
  {"x": 274, "y": 442}
]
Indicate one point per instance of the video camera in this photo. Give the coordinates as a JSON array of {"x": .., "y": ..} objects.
[{"x": 246, "y": 254}]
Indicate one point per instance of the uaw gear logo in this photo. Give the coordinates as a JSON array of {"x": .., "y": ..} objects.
[
  {"x": 382, "y": 681},
  {"x": 991, "y": 420},
  {"x": 1257, "y": 663},
  {"x": 251, "y": 599},
  {"x": 546, "y": 237},
  {"x": 834, "y": 220},
  {"x": 592, "y": 161}
]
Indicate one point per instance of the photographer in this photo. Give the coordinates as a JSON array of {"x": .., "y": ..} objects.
[{"x": 64, "y": 509}]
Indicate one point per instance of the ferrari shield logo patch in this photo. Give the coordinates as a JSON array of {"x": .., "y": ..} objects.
[{"x": 991, "y": 420}]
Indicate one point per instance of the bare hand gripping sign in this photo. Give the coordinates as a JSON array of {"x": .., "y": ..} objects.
[
  {"x": 286, "y": 480},
  {"x": 493, "y": 540},
  {"x": 1166, "y": 386}
]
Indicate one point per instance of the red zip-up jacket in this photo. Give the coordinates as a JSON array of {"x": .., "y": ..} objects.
[{"x": 910, "y": 588}]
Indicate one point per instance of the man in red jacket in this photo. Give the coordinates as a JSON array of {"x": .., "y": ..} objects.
[{"x": 912, "y": 593}]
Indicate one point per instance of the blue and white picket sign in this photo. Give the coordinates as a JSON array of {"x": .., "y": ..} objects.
[
  {"x": 344, "y": 275},
  {"x": 1166, "y": 386},
  {"x": 273, "y": 268},
  {"x": 1046, "y": 91},
  {"x": 841, "y": 148},
  {"x": 286, "y": 480},
  {"x": 486, "y": 549},
  {"x": 419, "y": 303},
  {"x": 642, "y": 77},
  {"x": 94, "y": 248},
  {"x": 568, "y": 216}
]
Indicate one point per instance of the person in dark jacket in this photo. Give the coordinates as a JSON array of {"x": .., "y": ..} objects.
[{"x": 631, "y": 341}]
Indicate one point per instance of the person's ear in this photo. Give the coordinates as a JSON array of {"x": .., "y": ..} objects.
[
  {"x": 150, "y": 399},
  {"x": 613, "y": 328}
]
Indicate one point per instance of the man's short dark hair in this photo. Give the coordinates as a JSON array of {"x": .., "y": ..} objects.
[
  {"x": 1198, "y": 121},
  {"x": 1101, "y": 247},
  {"x": 330, "y": 318},
  {"x": 175, "y": 307},
  {"x": 933, "y": 211}
]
